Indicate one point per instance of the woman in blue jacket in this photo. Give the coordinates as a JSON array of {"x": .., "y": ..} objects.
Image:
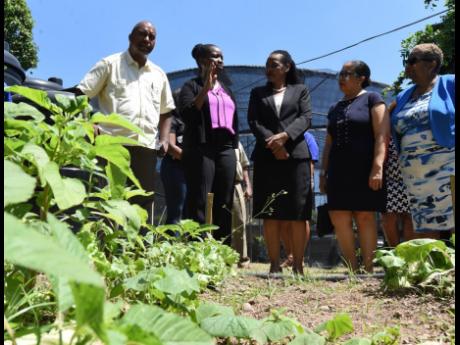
[{"x": 423, "y": 124}]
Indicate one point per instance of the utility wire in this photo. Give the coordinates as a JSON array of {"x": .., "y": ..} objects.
[
  {"x": 350, "y": 46},
  {"x": 372, "y": 37}
]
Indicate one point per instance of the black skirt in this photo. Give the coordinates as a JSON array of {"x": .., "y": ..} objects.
[
  {"x": 282, "y": 190},
  {"x": 348, "y": 183}
]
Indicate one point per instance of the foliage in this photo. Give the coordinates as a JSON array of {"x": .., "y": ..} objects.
[
  {"x": 442, "y": 34},
  {"x": 421, "y": 263},
  {"x": 17, "y": 31},
  {"x": 77, "y": 269},
  {"x": 107, "y": 258}
]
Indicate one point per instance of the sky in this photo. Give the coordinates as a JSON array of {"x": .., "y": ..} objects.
[{"x": 73, "y": 35}]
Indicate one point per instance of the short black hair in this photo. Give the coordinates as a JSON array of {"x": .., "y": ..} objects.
[
  {"x": 292, "y": 76},
  {"x": 361, "y": 69}
]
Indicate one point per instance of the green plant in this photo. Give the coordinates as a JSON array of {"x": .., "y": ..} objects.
[
  {"x": 107, "y": 258},
  {"x": 420, "y": 263}
]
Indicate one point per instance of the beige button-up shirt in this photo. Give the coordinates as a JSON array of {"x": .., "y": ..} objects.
[{"x": 139, "y": 94}]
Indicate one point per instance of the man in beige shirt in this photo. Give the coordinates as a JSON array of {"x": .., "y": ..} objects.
[{"x": 129, "y": 84}]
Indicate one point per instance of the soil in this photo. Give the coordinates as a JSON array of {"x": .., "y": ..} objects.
[{"x": 421, "y": 317}]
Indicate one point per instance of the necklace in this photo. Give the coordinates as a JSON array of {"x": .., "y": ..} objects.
[
  {"x": 278, "y": 90},
  {"x": 350, "y": 98}
]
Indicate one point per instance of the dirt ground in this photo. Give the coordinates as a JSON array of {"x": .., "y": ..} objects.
[{"x": 421, "y": 318}]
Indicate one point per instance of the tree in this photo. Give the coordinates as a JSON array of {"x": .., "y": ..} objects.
[
  {"x": 17, "y": 31},
  {"x": 442, "y": 34}
]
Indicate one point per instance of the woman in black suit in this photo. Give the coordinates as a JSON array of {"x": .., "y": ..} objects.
[
  {"x": 279, "y": 113},
  {"x": 208, "y": 109}
]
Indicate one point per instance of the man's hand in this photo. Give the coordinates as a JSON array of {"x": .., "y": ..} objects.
[
  {"x": 97, "y": 130},
  {"x": 276, "y": 141},
  {"x": 248, "y": 192},
  {"x": 163, "y": 148}
]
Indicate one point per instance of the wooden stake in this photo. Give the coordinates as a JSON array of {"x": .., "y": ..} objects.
[{"x": 209, "y": 203}]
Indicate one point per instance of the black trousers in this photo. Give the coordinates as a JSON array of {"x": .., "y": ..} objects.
[
  {"x": 143, "y": 165},
  {"x": 210, "y": 169}
]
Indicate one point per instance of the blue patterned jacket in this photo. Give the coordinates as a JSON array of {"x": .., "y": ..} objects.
[{"x": 441, "y": 111}]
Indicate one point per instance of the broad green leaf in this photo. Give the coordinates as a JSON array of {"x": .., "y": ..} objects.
[
  {"x": 278, "y": 330},
  {"x": 115, "y": 119},
  {"x": 341, "y": 324},
  {"x": 64, "y": 101},
  {"x": 12, "y": 146},
  {"x": 308, "y": 339},
  {"x": 231, "y": 326},
  {"x": 176, "y": 282},
  {"x": 67, "y": 192},
  {"x": 26, "y": 247},
  {"x": 36, "y": 154},
  {"x": 39, "y": 97},
  {"x": 170, "y": 328},
  {"x": 119, "y": 156},
  {"x": 418, "y": 249},
  {"x": 13, "y": 110},
  {"x": 89, "y": 130},
  {"x": 112, "y": 311},
  {"x": 105, "y": 139},
  {"x": 124, "y": 211},
  {"x": 206, "y": 310},
  {"x": 117, "y": 181},
  {"x": 38, "y": 157},
  {"x": 17, "y": 185},
  {"x": 142, "y": 280},
  {"x": 15, "y": 127},
  {"x": 189, "y": 225},
  {"x": 358, "y": 341},
  {"x": 136, "y": 335},
  {"x": 136, "y": 192},
  {"x": 389, "y": 262},
  {"x": 89, "y": 301},
  {"x": 68, "y": 241},
  {"x": 116, "y": 337},
  {"x": 390, "y": 336}
]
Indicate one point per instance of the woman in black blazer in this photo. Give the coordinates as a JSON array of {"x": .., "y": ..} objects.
[
  {"x": 279, "y": 113},
  {"x": 208, "y": 109}
]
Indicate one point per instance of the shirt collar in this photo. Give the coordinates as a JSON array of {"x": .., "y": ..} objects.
[{"x": 131, "y": 61}]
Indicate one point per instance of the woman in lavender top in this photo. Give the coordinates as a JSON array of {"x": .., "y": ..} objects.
[{"x": 208, "y": 109}]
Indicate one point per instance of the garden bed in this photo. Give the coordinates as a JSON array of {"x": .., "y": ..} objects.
[{"x": 420, "y": 317}]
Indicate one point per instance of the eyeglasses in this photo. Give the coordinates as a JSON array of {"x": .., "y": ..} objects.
[
  {"x": 345, "y": 74},
  {"x": 412, "y": 60}
]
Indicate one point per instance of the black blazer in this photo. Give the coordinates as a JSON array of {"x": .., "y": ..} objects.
[
  {"x": 295, "y": 119},
  {"x": 198, "y": 127}
]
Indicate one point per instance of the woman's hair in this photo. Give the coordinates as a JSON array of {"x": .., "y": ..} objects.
[
  {"x": 201, "y": 51},
  {"x": 361, "y": 69},
  {"x": 292, "y": 76},
  {"x": 430, "y": 51}
]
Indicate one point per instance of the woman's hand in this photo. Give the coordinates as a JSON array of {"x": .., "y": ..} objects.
[
  {"x": 376, "y": 178},
  {"x": 276, "y": 141},
  {"x": 281, "y": 154},
  {"x": 210, "y": 75}
]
